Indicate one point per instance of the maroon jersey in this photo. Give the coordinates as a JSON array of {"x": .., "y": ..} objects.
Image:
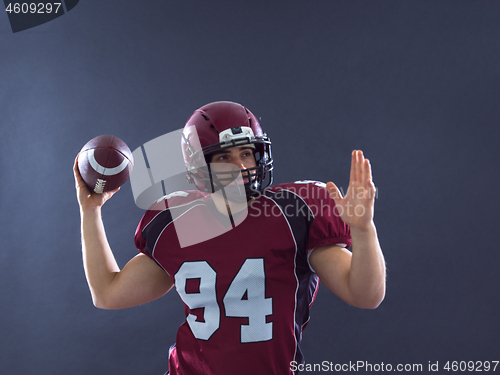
[{"x": 247, "y": 290}]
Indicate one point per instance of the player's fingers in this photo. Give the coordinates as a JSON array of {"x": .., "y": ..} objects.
[
  {"x": 368, "y": 170},
  {"x": 353, "y": 167},
  {"x": 373, "y": 188},
  {"x": 75, "y": 165},
  {"x": 366, "y": 174},
  {"x": 78, "y": 177},
  {"x": 360, "y": 176},
  {"x": 80, "y": 184},
  {"x": 108, "y": 194},
  {"x": 76, "y": 172},
  {"x": 368, "y": 183},
  {"x": 370, "y": 190}
]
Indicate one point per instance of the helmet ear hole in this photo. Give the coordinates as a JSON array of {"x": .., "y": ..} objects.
[{"x": 259, "y": 153}]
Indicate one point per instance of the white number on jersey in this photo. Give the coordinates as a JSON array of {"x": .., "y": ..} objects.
[
  {"x": 249, "y": 282},
  {"x": 205, "y": 298}
]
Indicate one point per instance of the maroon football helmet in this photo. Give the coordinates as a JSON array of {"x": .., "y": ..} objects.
[{"x": 219, "y": 125}]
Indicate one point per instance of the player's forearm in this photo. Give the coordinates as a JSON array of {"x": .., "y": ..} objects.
[
  {"x": 367, "y": 273},
  {"x": 98, "y": 260}
]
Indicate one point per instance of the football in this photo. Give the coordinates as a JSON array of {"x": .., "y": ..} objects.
[{"x": 105, "y": 163}]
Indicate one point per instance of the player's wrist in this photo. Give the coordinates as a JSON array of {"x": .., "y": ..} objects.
[
  {"x": 364, "y": 230},
  {"x": 90, "y": 210}
]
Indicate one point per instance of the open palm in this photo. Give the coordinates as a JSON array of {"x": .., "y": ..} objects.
[{"x": 356, "y": 207}]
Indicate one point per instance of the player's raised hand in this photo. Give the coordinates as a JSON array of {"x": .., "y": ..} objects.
[
  {"x": 85, "y": 197},
  {"x": 356, "y": 208}
]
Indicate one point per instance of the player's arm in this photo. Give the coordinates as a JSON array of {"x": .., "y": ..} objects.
[
  {"x": 140, "y": 281},
  {"x": 357, "y": 277}
]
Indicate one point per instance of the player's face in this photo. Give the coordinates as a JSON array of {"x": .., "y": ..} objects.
[{"x": 240, "y": 157}]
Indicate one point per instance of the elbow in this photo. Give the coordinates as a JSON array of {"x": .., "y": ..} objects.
[
  {"x": 371, "y": 305},
  {"x": 108, "y": 302},
  {"x": 373, "y": 296},
  {"x": 101, "y": 303},
  {"x": 375, "y": 302},
  {"x": 370, "y": 302},
  {"x": 104, "y": 306}
]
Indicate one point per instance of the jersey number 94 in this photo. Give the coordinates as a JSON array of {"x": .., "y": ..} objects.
[{"x": 249, "y": 282}]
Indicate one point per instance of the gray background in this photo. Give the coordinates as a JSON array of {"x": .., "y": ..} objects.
[{"x": 415, "y": 84}]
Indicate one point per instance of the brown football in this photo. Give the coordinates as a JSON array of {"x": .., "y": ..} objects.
[{"x": 105, "y": 163}]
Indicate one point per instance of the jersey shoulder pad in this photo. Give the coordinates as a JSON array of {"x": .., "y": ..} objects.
[
  {"x": 177, "y": 199},
  {"x": 307, "y": 190}
]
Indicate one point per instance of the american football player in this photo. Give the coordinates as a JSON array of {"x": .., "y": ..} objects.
[{"x": 245, "y": 257}]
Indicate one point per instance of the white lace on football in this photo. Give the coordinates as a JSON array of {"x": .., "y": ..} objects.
[{"x": 99, "y": 186}]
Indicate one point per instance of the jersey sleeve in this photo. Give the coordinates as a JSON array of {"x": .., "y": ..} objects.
[
  {"x": 141, "y": 233},
  {"x": 139, "y": 237},
  {"x": 158, "y": 216},
  {"x": 327, "y": 228}
]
